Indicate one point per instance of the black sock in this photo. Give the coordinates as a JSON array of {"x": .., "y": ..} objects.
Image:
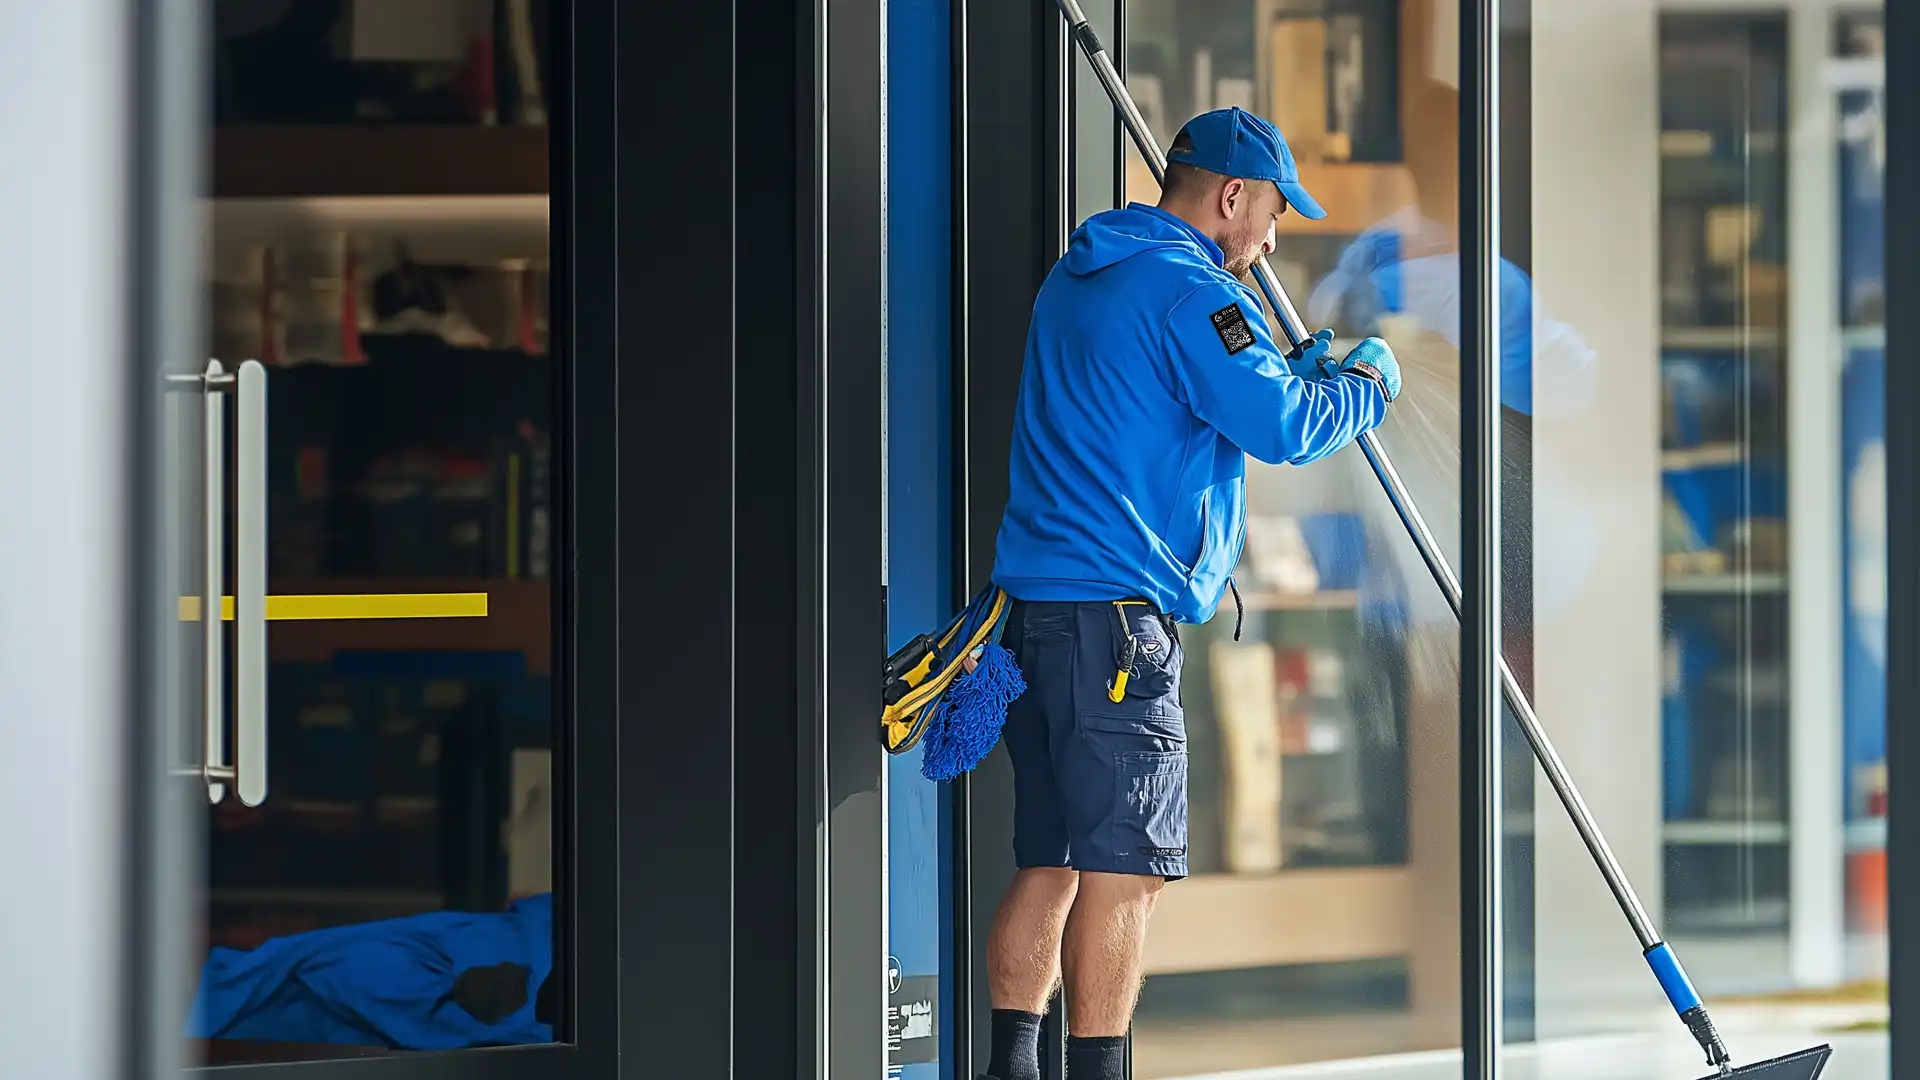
[
  {"x": 1016, "y": 1045},
  {"x": 1102, "y": 1057}
]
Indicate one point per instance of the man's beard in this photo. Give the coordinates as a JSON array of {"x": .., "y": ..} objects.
[{"x": 1241, "y": 248}]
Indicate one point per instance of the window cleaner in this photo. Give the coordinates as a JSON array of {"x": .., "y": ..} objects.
[{"x": 1802, "y": 1065}]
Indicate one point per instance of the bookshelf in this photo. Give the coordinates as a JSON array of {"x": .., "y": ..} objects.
[{"x": 1723, "y": 364}]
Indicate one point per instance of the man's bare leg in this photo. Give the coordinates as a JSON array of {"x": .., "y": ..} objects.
[
  {"x": 1023, "y": 965},
  {"x": 1023, "y": 948},
  {"x": 1102, "y": 953}
]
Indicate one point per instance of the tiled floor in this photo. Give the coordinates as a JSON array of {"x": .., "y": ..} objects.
[
  {"x": 1856, "y": 1057},
  {"x": 1165, "y": 1050},
  {"x": 1390, "y": 1046}
]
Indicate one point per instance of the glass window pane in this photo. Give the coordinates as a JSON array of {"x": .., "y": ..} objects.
[
  {"x": 379, "y": 869},
  {"x": 1691, "y": 215},
  {"x": 1320, "y": 923}
]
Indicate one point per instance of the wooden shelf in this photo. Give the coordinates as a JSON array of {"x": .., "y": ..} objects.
[
  {"x": 519, "y": 619},
  {"x": 1219, "y": 922},
  {"x": 1757, "y": 583},
  {"x": 1864, "y": 337},
  {"x": 282, "y": 161},
  {"x": 1719, "y": 338},
  {"x": 1706, "y": 455},
  {"x": 1866, "y": 834},
  {"x": 1735, "y": 833},
  {"x": 1323, "y": 600},
  {"x": 1356, "y": 196}
]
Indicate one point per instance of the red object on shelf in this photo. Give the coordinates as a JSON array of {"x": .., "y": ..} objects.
[
  {"x": 310, "y": 472},
  {"x": 1867, "y": 891},
  {"x": 477, "y": 81},
  {"x": 269, "y": 323},
  {"x": 1290, "y": 666},
  {"x": 527, "y": 343},
  {"x": 350, "y": 350}
]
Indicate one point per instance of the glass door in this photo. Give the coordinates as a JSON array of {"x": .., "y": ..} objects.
[
  {"x": 359, "y": 484},
  {"x": 1694, "y": 214},
  {"x": 1320, "y": 926}
]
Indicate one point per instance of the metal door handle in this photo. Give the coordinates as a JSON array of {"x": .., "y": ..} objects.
[
  {"x": 214, "y": 766},
  {"x": 250, "y": 593},
  {"x": 214, "y": 770}
]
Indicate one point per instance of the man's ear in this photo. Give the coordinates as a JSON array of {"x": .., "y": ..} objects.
[{"x": 1231, "y": 194}]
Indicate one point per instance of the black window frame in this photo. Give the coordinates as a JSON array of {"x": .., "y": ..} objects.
[{"x": 1903, "y": 531}]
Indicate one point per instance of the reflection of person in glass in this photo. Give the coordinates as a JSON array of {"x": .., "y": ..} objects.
[
  {"x": 1400, "y": 278},
  {"x": 1150, "y": 377}
]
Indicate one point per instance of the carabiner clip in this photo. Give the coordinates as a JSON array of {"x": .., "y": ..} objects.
[{"x": 1117, "y": 689}]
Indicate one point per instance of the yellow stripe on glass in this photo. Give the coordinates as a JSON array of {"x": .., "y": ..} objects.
[{"x": 355, "y": 606}]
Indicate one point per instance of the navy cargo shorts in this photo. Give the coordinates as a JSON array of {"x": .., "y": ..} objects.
[{"x": 1099, "y": 785}]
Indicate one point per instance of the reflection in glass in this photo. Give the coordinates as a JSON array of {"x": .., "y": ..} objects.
[
  {"x": 1712, "y": 685},
  {"x": 377, "y": 236},
  {"x": 1692, "y": 318},
  {"x": 1320, "y": 921},
  {"x": 1862, "y": 138}
]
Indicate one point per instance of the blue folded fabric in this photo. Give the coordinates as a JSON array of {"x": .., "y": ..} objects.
[{"x": 387, "y": 983}]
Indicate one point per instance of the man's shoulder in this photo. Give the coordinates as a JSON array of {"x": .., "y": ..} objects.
[
  {"x": 1164, "y": 279},
  {"x": 1186, "y": 265},
  {"x": 1215, "y": 291}
]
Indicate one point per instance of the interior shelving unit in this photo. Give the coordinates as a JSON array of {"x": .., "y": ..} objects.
[
  {"x": 1301, "y": 796},
  {"x": 296, "y": 210},
  {"x": 1723, "y": 467},
  {"x": 287, "y": 160}
]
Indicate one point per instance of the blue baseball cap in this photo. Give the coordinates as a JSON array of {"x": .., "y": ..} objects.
[{"x": 1234, "y": 142}]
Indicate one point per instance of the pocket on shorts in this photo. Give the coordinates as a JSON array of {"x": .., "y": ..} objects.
[
  {"x": 1150, "y": 782},
  {"x": 1154, "y": 672}
]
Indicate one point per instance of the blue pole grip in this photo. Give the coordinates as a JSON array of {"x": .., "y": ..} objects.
[{"x": 1666, "y": 968}]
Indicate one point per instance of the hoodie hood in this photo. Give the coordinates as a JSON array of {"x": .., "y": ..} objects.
[{"x": 1113, "y": 236}]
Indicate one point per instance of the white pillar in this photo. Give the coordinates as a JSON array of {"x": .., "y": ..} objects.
[
  {"x": 1596, "y": 187},
  {"x": 64, "y": 531},
  {"x": 1816, "y": 879}
]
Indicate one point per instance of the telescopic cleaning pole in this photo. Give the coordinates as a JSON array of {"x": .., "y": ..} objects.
[{"x": 1659, "y": 955}]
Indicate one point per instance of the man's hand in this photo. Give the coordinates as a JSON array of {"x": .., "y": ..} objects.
[
  {"x": 1373, "y": 359},
  {"x": 1307, "y": 358}
]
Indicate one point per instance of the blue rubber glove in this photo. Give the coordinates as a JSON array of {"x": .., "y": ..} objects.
[
  {"x": 1307, "y": 358},
  {"x": 1373, "y": 359}
]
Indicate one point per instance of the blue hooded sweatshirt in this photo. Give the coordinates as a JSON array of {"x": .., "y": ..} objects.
[{"x": 1150, "y": 376}]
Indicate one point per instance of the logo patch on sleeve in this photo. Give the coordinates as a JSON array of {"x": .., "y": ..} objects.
[{"x": 1231, "y": 324}]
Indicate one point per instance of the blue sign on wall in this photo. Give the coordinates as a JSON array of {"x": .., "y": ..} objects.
[{"x": 919, "y": 515}]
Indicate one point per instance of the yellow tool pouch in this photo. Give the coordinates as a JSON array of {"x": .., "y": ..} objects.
[{"x": 926, "y": 687}]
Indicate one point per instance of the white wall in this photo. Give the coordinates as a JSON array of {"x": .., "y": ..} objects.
[
  {"x": 1595, "y": 230},
  {"x": 1815, "y": 757},
  {"x": 63, "y": 531}
]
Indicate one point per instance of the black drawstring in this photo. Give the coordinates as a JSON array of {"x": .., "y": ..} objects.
[{"x": 1239, "y": 607}]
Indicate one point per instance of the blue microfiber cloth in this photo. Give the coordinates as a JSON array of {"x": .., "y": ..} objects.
[
  {"x": 971, "y": 714},
  {"x": 388, "y": 983}
]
